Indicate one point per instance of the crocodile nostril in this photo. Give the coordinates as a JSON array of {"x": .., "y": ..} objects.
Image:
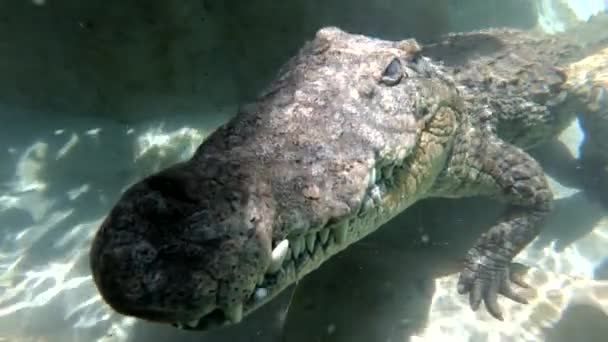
[
  {"x": 143, "y": 252},
  {"x": 171, "y": 187}
]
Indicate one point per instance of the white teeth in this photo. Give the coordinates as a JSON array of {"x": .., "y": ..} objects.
[
  {"x": 340, "y": 232},
  {"x": 297, "y": 247},
  {"x": 310, "y": 242},
  {"x": 324, "y": 235},
  {"x": 318, "y": 253},
  {"x": 368, "y": 204},
  {"x": 376, "y": 194},
  {"x": 192, "y": 324},
  {"x": 278, "y": 256},
  {"x": 234, "y": 313},
  {"x": 378, "y": 175},
  {"x": 261, "y": 293},
  {"x": 388, "y": 173},
  {"x": 372, "y": 177},
  {"x": 290, "y": 271}
]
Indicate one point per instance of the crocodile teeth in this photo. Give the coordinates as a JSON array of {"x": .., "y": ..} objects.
[
  {"x": 310, "y": 242},
  {"x": 261, "y": 293},
  {"x": 388, "y": 173},
  {"x": 290, "y": 270},
  {"x": 192, "y": 324},
  {"x": 317, "y": 255},
  {"x": 234, "y": 313},
  {"x": 368, "y": 204},
  {"x": 378, "y": 175},
  {"x": 372, "y": 177},
  {"x": 376, "y": 194},
  {"x": 340, "y": 233},
  {"x": 297, "y": 247},
  {"x": 324, "y": 236},
  {"x": 278, "y": 256},
  {"x": 260, "y": 280}
]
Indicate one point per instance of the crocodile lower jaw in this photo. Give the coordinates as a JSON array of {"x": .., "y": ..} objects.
[{"x": 295, "y": 257}]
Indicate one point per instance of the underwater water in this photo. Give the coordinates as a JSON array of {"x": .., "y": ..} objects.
[{"x": 96, "y": 96}]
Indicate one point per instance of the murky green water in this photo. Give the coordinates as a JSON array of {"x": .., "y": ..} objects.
[{"x": 95, "y": 95}]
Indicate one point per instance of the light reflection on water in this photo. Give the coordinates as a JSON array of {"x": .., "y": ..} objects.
[{"x": 49, "y": 219}]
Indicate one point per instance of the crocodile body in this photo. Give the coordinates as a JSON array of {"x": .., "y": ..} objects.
[
  {"x": 588, "y": 79},
  {"x": 352, "y": 131}
]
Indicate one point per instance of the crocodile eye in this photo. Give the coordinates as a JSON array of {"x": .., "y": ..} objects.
[{"x": 392, "y": 73}]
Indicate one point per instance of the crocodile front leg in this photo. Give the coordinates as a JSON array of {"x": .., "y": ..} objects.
[
  {"x": 588, "y": 83},
  {"x": 482, "y": 164}
]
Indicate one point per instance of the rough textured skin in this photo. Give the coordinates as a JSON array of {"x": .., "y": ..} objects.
[
  {"x": 510, "y": 81},
  {"x": 588, "y": 79},
  {"x": 352, "y": 131},
  {"x": 520, "y": 81}
]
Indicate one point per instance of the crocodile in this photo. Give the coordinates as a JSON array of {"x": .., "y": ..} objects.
[
  {"x": 351, "y": 132},
  {"x": 588, "y": 79}
]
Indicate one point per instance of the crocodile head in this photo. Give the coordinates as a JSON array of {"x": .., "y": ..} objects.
[
  {"x": 185, "y": 243},
  {"x": 291, "y": 180}
]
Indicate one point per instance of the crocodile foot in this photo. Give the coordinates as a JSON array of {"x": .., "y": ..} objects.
[{"x": 487, "y": 276}]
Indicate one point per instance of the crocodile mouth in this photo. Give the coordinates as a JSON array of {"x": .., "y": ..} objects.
[
  {"x": 299, "y": 254},
  {"x": 292, "y": 258}
]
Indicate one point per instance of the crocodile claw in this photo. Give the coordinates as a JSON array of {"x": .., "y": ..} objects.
[{"x": 484, "y": 281}]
